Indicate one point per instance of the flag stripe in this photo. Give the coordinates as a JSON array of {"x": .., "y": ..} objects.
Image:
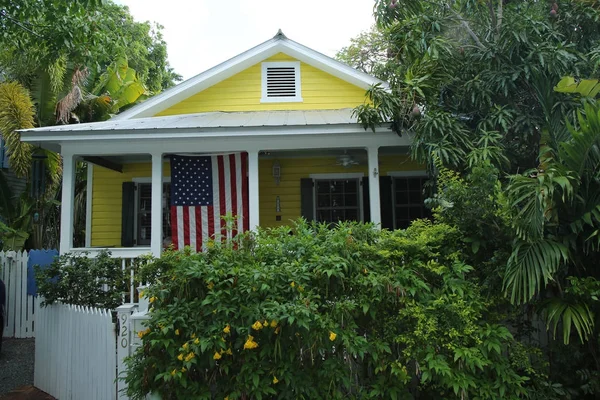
[{"x": 222, "y": 200}]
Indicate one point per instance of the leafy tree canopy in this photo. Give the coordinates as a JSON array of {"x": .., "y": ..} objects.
[{"x": 90, "y": 33}]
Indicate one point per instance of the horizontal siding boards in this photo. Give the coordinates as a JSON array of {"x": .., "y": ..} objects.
[
  {"x": 242, "y": 92},
  {"x": 107, "y": 192},
  {"x": 106, "y": 200}
]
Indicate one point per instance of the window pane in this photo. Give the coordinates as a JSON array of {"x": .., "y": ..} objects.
[
  {"x": 414, "y": 184},
  {"x": 322, "y": 186},
  {"x": 415, "y": 197},
  {"x": 401, "y": 198},
  {"x": 337, "y": 200},
  {"x": 323, "y": 200},
  {"x": 351, "y": 186},
  {"x": 351, "y": 201},
  {"x": 352, "y": 215}
]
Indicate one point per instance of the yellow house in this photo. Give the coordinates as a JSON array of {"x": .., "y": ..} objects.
[{"x": 276, "y": 121}]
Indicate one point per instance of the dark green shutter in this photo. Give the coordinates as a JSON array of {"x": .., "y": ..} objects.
[
  {"x": 307, "y": 198},
  {"x": 366, "y": 200},
  {"x": 387, "y": 202},
  {"x": 128, "y": 214}
]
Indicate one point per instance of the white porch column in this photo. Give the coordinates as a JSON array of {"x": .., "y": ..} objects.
[
  {"x": 253, "y": 188},
  {"x": 66, "y": 211},
  {"x": 374, "y": 200},
  {"x": 157, "y": 218}
]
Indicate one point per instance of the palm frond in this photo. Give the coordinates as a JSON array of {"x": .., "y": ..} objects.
[
  {"x": 531, "y": 266},
  {"x": 16, "y": 112},
  {"x": 572, "y": 315}
]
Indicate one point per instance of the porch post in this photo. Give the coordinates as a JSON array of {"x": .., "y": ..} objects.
[
  {"x": 66, "y": 211},
  {"x": 157, "y": 194},
  {"x": 374, "y": 200},
  {"x": 253, "y": 188}
]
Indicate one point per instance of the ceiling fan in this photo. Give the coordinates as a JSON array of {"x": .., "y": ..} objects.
[{"x": 346, "y": 160}]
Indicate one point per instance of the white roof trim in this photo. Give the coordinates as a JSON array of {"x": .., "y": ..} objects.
[{"x": 278, "y": 44}]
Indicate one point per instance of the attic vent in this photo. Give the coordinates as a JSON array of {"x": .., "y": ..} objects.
[{"x": 281, "y": 82}]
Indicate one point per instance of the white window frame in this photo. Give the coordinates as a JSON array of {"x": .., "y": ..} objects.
[
  {"x": 165, "y": 179},
  {"x": 403, "y": 174},
  {"x": 278, "y": 64},
  {"x": 340, "y": 176}
]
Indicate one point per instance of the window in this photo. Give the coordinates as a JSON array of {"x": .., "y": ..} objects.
[
  {"x": 143, "y": 221},
  {"x": 408, "y": 200},
  {"x": 281, "y": 82},
  {"x": 337, "y": 200}
]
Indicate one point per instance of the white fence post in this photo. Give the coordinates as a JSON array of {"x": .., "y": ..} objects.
[{"x": 123, "y": 345}]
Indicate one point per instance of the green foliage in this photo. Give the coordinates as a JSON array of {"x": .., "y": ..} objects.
[
  {"x": 81, "y": 280},
  {"x": 16, "y": 112},
  {"x": 476, "y": 68},
  {"x": 349, "y": 312}
]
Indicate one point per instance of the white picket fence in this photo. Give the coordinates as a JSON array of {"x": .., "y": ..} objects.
[
  {"x": 75, "y": 352},
  {"x": 20, "y": 308}
]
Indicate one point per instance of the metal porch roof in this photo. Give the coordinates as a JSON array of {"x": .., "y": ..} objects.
[{"x": 213, "y": 120}]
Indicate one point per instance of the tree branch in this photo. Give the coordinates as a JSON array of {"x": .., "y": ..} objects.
[{"x": 465, "y": 24}]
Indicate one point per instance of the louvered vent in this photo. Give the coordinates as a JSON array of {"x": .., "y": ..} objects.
[{"x": 281, "y": 82}]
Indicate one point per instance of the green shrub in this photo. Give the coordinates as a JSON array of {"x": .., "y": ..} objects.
[
  {"x": 350, "y": 312},
  {"x": 80, "y": 280}
]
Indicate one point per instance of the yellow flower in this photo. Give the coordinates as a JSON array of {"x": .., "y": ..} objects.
[
  {"x": 193, "y": 336},
  {"x": 332, "y": 336},
  {"x": 180, "y": 357},
  {"x": 365, "y": 270},
  {"x": 183, "y": 369},
  {"x": 177, "y": 332},
  {"x": 226, "y": 398},
  {"x": 300, "y": 288},
  {"x": 141, "y": 293},
  {"x": 143, "y": 333},
  {"x": 277, "y": 330},
  {"x": 275, "y": 380},
  {"x": 210, "y": 244},
  {"x": 190, "y": 356},
  {"x": 257, "y": 326},
  {"x": 210, "y": 285},
  {"x": 185, "y": 346},
  {"x": 152, "y": 299},
  {"x": 292, "y": 284},
  {"x": 197, "y": 341},
  {"x": 229, "y": 352},
  {"x": 273, "y": 324},
  {"x": 173, "y": 372},
  {"x": 217, "y": 356},
  {"x": 265, "y": 323},
  {"x": 227, "y": 329},
  {"x": 250, "y": 343}
]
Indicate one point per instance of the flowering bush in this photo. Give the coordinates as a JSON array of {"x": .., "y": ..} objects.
[{"x": 350, "y": 312}]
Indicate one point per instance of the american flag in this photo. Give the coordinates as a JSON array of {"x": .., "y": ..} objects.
[{"x": 202, "y": 190}]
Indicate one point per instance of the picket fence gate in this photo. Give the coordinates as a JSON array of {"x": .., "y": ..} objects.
[
  {"x": 20, "y": 307},
  {"x": 75, "y": 352}
]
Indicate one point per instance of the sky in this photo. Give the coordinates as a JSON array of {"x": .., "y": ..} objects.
[{"x": 203, "y": 33}]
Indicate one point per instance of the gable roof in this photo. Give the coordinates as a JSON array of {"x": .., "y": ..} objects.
[{"x": 278, "y": 44}]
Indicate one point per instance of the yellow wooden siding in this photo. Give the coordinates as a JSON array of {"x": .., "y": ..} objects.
[
  {"x": 107, "y": 191},
  {"x": 294, "y": 169},
  {"x": 242, "y": 92}
]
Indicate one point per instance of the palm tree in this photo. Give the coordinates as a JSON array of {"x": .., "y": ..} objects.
[{"x": 556, "y": 251}]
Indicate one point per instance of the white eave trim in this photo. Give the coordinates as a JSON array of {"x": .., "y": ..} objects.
[
  {"x": 279, "y": 44},
  {"x": 190, "y": 133}
]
